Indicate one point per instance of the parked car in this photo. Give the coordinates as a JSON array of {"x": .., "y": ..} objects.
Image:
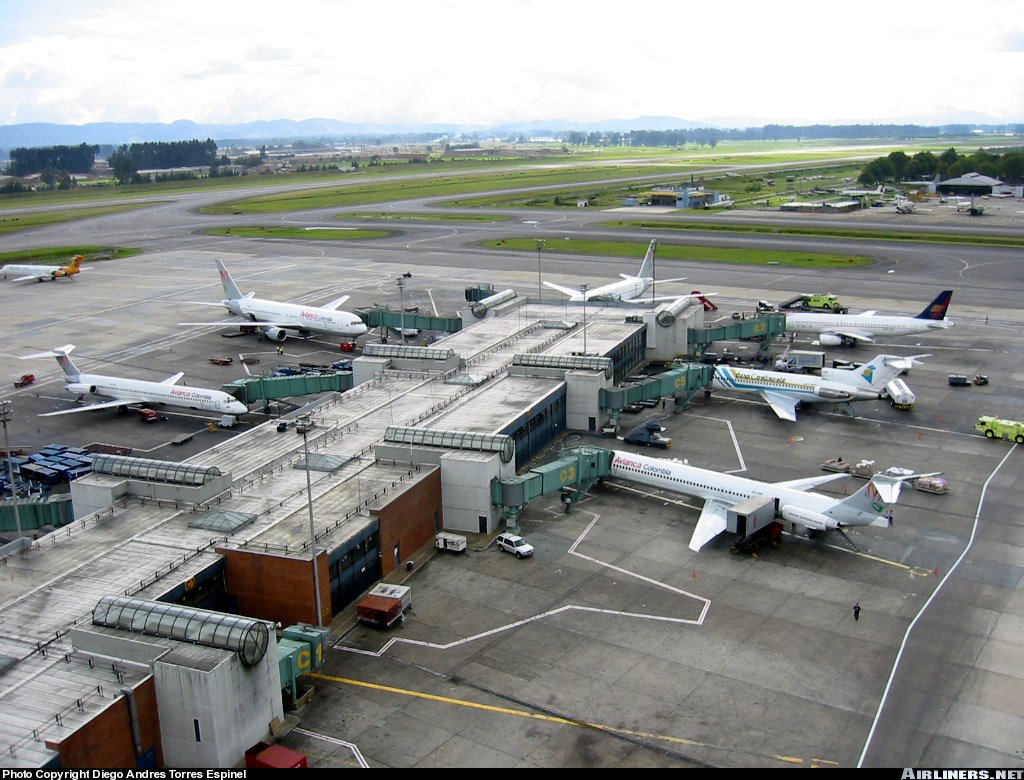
[{"x": 516, "y": 545}]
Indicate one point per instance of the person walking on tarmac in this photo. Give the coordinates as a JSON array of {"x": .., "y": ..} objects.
[
  {"x": 280, "y": 350},
  {"x": 856, "y": 610}
]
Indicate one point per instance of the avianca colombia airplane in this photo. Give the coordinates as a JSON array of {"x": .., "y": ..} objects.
[{"x": 123, "y": 392}]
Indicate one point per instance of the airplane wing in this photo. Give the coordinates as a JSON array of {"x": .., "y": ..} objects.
[
  {"x": 854, "y": 335},
  {"x": 336, "y": 303},
  {"x": 710, "y": 524},
  {"x": 173, "y": 380},
  {"x": 91, "y": 407},
  {"x": 783, "y": 405},
  {"x": 869, "y": 313},
  {"x": 806, "y": 483},
  {"x": 26, "y": 278},
  {"x": 564, "y": 290},
  {"x": 247, "y": 321}
]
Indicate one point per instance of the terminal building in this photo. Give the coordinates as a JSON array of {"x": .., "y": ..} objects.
[{"x": 158, "y": 627}]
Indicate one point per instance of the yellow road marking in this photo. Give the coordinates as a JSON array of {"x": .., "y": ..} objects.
[{"x": 547, "y": 718}]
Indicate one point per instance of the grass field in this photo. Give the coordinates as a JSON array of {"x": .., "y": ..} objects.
[
  {"x": 12, "y": 223},
  {"x": 826, "y": 232},
  {"x": 398, "y": 216},
  {"x": 667, "y": 251},
  {"x": 63, "y": 254},
  {"x": 305, "y": 234}
]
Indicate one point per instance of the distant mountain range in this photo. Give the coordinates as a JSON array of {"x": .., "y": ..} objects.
[{"x": 117, "y": 133}]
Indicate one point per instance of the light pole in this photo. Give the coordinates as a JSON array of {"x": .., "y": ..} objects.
[
  {"x": 540, "y": 246},
  {"x": 6, "y": 415},
  {"x": 305, "y": 424},
  {"x": 583, "y": 289},
  {"x": 401, "y": 304}
]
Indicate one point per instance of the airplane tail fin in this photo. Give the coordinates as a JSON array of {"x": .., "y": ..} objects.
[
  {"x": 874, "y": 498},
  {"x": 230, "y": 288},
  {"x": 648, "y": 263},
  {"x": 71, "y": 372},
  {"x": 76, "y": 262},
  {"x": 877, "y": 372},
  {"x": 936, "y": 310}
]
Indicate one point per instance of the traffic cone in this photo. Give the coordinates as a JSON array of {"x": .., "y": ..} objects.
[{"x": 693, "y": 574}]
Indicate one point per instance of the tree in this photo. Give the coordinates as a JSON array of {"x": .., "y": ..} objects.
[
  {"x": 900, "y": 163},
  {"x": 949, "y": 157},
  {"x": 122, "y": 165}
]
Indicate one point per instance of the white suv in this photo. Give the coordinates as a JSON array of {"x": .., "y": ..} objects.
[{"x": 516, "y": 545}]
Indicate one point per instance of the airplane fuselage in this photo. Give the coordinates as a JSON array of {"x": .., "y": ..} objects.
[
  {"x": 298, "y": 317},
  {"x": 712, "y": 485},
  {"x": 116, "y": 388},
  {"x": 803, "y": 388},
  {"x": 874, "y": 325},
  {"x": 40, "y": 272}
]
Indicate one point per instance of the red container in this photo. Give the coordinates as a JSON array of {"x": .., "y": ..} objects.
[{"x": 264, "y": 756}]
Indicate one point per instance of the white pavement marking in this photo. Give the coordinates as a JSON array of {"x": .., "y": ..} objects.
[
  {"x": 567, "y": 608},
  {"x": 906, "y": 635},
  {"x": 333, "y": 741}
]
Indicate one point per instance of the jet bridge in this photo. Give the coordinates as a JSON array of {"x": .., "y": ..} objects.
[
  {"x": 681, "y": 383},
  {"x": 573, "y": 474},
  {"x": 381, "y": 317},
  {"x": 763, "y": 328}
]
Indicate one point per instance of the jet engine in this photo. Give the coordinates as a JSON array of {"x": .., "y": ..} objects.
[
  {"x": 80, "y": 389},
  {"x": 275, "y": 334},
  {"x": 829, "y": 340},
  {"x": 832, "y": 395},
  {"x": 808, "y": 518}
]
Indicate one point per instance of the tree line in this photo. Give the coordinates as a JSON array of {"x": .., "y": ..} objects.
[
  {"x": 127, "y": 160},
  {"x": 712, "y": 136},
  {"x": 69, "y": 159},
  {"x": 1007, "y": 166}
]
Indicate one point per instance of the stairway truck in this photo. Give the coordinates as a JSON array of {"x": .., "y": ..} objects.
[
  {"x": 996, "y": 428},
  {"x": 814, "y": 302},
  {"x": 898, "y": 394},
  {"x": 800, "y": 360}
]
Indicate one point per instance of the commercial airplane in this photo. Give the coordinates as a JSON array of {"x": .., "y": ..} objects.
[
  {"x": 629, "y": 290},
  {"x": 836, "y": 329},
  {"x": 721, "y": 492},
  {"x": 784, "y": 392},
  {"x": 274, "y": 319},
  {"x": 124, "y": 392},
  {"x": 43, "y": 273}
]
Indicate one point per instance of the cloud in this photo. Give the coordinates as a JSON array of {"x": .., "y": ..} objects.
[{"x": 1013, "y": 41}]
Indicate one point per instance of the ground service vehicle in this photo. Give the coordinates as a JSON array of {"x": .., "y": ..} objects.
[
  {"x": 814, "y": 302},
  {"x": 516, "y": 545},
  {"x": 449, "y": 541},
  {"x": 25, "y": 380},
  {"x": 959, "y": 380},
  {"x": 800, "y": 360},
  {"x": 994, "y": 428},
  {"x": 898, "y": 394}
]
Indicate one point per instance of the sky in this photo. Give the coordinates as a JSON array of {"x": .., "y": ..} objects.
[{"x": 731, "y": 64}]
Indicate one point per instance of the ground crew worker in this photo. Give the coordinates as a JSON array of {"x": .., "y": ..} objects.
[{"x": 856, "y": 611}]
